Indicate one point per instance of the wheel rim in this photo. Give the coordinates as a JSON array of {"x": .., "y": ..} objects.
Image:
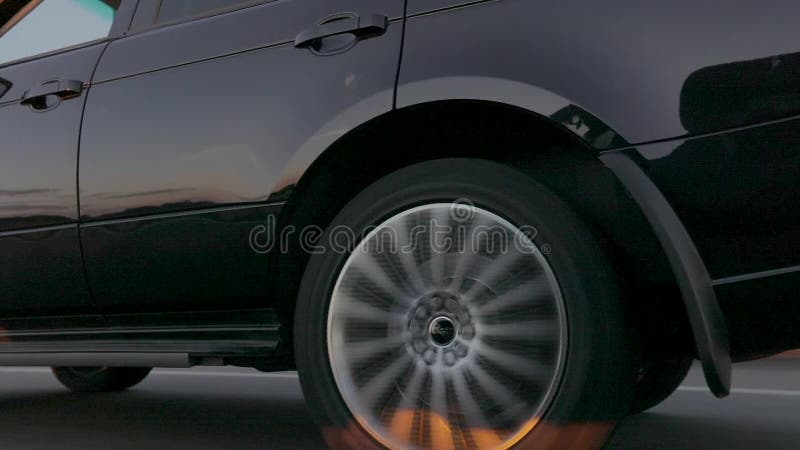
[{"x": 447, "y": 329}]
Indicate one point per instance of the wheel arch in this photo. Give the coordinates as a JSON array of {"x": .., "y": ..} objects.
[
  {"x": 557, "y": 110},
  {"x": 539, "y": 145}
]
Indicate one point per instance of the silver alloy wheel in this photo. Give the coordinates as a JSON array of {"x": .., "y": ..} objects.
[{"x": 447, "y": 329}]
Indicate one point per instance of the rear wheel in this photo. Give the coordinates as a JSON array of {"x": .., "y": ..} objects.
[
  {"x": 477, "y": 312},
  {"x": 100, "y": 379}
]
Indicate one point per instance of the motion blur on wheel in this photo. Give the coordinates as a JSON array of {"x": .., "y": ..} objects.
[{"x": 473, "y": 310}]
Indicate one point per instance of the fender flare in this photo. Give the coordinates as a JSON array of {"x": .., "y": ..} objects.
[{"x": 705, "y": 315}]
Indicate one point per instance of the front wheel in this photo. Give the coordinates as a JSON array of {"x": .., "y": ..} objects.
[
  {"x": 100, "y": 379},
  {"x": 476, "y": 312}
]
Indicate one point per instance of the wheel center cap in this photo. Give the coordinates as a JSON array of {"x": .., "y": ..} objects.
[{"x": 442, "y": 331}]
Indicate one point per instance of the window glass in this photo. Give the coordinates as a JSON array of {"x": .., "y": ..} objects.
[
  {"x": 177, "y": 9},
  {"x": 28, "y": 28}
]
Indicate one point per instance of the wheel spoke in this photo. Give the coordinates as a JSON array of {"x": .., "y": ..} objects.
[
  {"x": 357, "y": 309},
  {"x": 513, "y": 363},
  {"x": 366, "y": 349},
  {"x": 498, "y": 391},
  {"x": 440, "y": 218},
  {"x": 402, "y": 421},
  {"x": 439, "y": 425},
  {"x": 479, "y": 427},
  {"x": 469, "y": 407},
  {"x": 376, "y": 274},
  {"x": 379, "y": 384},
  {"x": 532, "y": 292},
  {"x": 523, "y": 331},
  {"x": 470, "y": 256},
  {"x": 445, "y": 347},
  {"x": 406, "y": 248},
  {"x": 410, "y": 394},
  {"x": 494, "y": 272}
]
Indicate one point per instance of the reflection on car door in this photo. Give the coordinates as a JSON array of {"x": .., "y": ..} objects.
[
  {"x": 41, "y": 103},
  {"x": 187, "y": 130}
]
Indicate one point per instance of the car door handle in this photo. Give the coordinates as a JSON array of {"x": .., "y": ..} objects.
[
  {"x": 63, "y": 89},
  {"x": 361, "y": 27}
]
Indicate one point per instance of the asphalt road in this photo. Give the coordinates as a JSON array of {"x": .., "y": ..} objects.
[{"x": 213, "y": 408}]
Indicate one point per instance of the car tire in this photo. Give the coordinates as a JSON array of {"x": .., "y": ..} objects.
[
  {"x": 658, "y": 380},
  {"x": 560, "y": 368},
  {"x": 100, "y": 379}
]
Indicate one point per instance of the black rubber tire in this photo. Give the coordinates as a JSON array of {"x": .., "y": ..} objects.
[
  {"x": 657, "y": 380},
  {"x": 594, "y": 392},
  {"x": 100, "y": 379}
]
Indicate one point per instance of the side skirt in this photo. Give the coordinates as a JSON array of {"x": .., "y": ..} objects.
[{"x": 166, "y": 345}]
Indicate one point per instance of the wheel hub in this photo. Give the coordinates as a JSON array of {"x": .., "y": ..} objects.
[
  {"x": 439, "y": 329},
  {"x": 443, "y": 331}
]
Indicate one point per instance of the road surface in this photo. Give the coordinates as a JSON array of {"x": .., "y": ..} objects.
[{"x": 213, "y": 408}]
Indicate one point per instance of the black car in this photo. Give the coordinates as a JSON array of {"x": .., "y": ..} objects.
[{"x": 467, "y": 224}]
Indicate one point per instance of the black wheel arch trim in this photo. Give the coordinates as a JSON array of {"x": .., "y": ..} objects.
[{"x": 696, "y": 287}]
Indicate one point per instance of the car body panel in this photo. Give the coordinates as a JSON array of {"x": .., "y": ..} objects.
[
  {"x": 416, "y": 7},
  {"x": 195, "y": 261},
  {"x": 737, "y": 193},
  {"x": 38, "y": 190},
  {"x": 628, "y": 66},
  {"x": 763, "y": 314},
  {"x": 179, "y": 150},
  {"x": 48, "y": 253},
  {"x": 255, "y": 27}
]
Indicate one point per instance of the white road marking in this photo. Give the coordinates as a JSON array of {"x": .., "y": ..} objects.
[{"x": 746, "y": 391}]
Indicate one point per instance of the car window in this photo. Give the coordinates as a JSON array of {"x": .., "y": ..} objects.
[
  {"x": 171, "y": 10},
  {"x": 28, "y": 28}
]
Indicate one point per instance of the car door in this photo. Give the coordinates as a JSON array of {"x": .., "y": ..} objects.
[
  {"x": 48, "y": 50},
  {"x": 193, "y": 117}
]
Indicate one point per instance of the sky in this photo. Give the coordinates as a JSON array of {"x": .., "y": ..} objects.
[{"x": 56, "y": 24}]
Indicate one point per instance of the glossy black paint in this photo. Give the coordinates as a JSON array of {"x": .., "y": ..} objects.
[
  {"x": 738, "y": 194},
  {"x": 38, "y": 186},
  {"x": 194, "y": 132},
  {"x": 764, "y": 313},
  {"x": 626, "y": 64},
  {"x": 38, "y": 191},
  {"x": 220, "y": 127},
  {"x": 41, "y": 273},
  {"x": 187, "y": 262}
]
